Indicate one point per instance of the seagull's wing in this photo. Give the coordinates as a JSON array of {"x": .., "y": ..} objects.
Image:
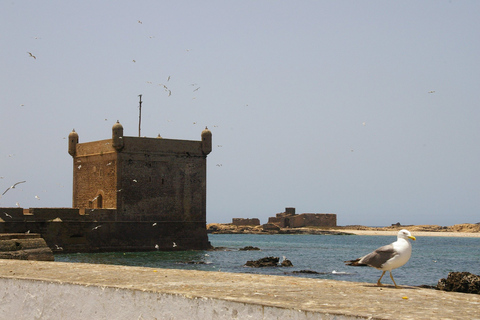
[
  {"x": 18, "y": 183},
  {"x": 378, "y": 257}
]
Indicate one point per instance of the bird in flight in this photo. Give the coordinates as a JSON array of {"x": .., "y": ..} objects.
[
  {"x": 13, "y": 187},
  {"x": 388, "y": 257},
  {"x": 433, "y": 91},
  {"x": 31, "y": 55}
]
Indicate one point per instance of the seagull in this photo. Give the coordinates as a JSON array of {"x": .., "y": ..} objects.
[
  {"x": 154, "y": 224},
  {"x": 433, "y": 91},
  {"x": 37, "y": 197},
  {"x": 8, "y": 215},
  {"x": 13, "y": 187},
  {"x": 174, "y": 244},
  {"x": 157, "y": 247},
  {"x": 31, "y": 55},
  {"x": 388, "y": 257},
  {"x": 196, "y": 89},
  {"x": 139, "y": 21},
  {"x": 95, "y": 228},
  {"x": 58, "y": 248}
]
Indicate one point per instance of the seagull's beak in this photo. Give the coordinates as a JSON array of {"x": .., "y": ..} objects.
[{"x": 412, "y": 237}]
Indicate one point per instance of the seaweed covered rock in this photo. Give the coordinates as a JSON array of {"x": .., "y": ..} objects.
[
  {"x": 287, "y": 263},
  {"x": 249, "y": 248},
  {"x": 264, "y": 262},
  {"x": 460, "y": 282},
  {"x": 269, "y": 262}
]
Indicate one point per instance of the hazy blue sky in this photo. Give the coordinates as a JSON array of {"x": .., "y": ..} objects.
[{"x": 366, "y": 109}]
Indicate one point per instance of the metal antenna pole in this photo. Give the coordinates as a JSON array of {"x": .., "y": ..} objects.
[{"x": 139, "y": 114}]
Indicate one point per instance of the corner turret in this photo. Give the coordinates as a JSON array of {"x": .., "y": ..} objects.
[
  {"x": 72, "y": 143},
  {"x": 117, "y": 136},
  {"x": 206, "y": 141}
]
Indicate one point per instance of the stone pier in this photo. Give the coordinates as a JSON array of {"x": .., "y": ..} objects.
[{"x": 59, "y": 290}]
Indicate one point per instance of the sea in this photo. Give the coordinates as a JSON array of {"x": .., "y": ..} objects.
[{"x": 432, "y": 257}]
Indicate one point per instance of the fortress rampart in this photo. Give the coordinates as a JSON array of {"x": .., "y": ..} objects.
[{"x": 129, "y": 194}]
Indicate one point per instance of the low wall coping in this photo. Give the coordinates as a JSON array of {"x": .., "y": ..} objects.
[{"x": 317, "y": 298}]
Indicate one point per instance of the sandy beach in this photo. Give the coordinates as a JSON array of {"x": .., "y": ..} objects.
[{"x": 414, "y": 233}]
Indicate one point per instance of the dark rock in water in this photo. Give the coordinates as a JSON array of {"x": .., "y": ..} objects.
[
  {"x": 264, "y": 262},
  {"x": 308, "y": 272},
  {"x": 249, "y": 248},
  {"x": 195, "y": 262},
  {"x": 460, "y": 282},
  {"x": 269, "y": 262},
  {"x": 287, "y": 263}
]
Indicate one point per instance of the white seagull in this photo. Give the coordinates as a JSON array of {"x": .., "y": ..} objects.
[
  {"x": 388, "y": 257},
  {"x": 13, "y": 187}
]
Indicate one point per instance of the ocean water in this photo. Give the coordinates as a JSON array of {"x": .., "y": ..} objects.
[{"x": 432, "y": 257}]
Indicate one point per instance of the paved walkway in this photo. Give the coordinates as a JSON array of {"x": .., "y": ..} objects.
[{"x": 316, "y": 296}]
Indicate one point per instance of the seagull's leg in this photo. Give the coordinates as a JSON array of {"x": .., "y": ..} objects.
[
  {"x": 392, "y": 279},
  {"x": 378, "y": 282}
]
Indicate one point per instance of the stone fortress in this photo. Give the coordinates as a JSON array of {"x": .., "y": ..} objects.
[
  {"x": 129, "y": 194},
  {"x": 289, "y": 219}
]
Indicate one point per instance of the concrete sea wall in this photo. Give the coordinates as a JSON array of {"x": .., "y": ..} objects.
[{"x": 57, "y": 290}]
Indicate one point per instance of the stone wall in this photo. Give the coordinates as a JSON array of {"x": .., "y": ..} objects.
[
  {"x": 24, "y": 247},
  {"x": 70, "y": 230},
  {"x": 313, "y": 220},
  {"x": 289, "y": 219},
  {"x": 246, "y": 222}
]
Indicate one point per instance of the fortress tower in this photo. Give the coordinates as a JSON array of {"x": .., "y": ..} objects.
[{"x": 146, "y": 182}]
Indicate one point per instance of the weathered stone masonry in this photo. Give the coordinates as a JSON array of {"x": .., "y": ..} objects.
[{"x": 129, "y": 193}]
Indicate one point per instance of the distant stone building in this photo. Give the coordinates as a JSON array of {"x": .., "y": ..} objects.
[
  {"x": 289, "y": 219},
  {"x": 129, "y": 194}
]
